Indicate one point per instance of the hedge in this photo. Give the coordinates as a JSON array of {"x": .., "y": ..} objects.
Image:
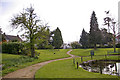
[{"x": 12, "y": 47}]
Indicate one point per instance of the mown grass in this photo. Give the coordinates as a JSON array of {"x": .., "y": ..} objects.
[
  {"x": 13, "y": 62},
  {"x": 98, "y": 51},
  {"x": 49, "y": 54},
  {"x": 66, "y": 69}
]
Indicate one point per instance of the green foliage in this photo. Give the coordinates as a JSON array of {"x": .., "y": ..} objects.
[
  {"x": 57, "y": 38},
  {"x": 111, "y": 23},
  {"x": 84, "y": 40},
  {"x": 95, "y": 33},
  {"x": 2, "y": 38},
  {"x": 28, "y": 21},
  {"x": 43, "y": 40},
  {"x": 106, "y": 37},
  {"x": 26, "y": 49},
  {"x": 16, "y": 48},
  {"x": 48, "y": 47},
  {"x": 12, "y": 47},
  {"x": 75, "y": 45},
  {"x": 118, "y": 45}
]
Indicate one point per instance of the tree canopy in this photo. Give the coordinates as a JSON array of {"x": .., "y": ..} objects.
[
  {"x": 84, "y": 40},
  {"x": 28, "y": 21},
  {"x": 95, "y": 34},
  {"x": 57, "y": 38},
  {"x": 111, "y": 23}
]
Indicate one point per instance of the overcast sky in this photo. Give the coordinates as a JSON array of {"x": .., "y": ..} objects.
[{"x": 71, "y": 16}]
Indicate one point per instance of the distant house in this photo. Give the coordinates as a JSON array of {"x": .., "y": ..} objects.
[
  {"x": 66, "y": 46},
  {"x": 118, "y": 39},
  {"x": 11, "y": 38}
]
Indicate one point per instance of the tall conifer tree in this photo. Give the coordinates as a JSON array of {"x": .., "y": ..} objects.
[
  {"x": 84, "y": 40},
  {"x": 57, "y": 38},
  {"x": 95, "y": 33}
]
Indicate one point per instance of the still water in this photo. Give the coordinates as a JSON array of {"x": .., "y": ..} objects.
[{"x": 102, "y": 66}]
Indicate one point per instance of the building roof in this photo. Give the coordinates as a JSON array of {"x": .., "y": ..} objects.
[{"x": 11, "y": 37}]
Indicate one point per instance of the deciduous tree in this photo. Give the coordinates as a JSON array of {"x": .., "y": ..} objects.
[
  {"x": 28, "y": 21},
  {"x": 75, "y": 45},
  {"x": 111, "y": 23}
]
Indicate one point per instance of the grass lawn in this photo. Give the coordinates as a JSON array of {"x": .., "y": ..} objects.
[
  {"x": 66, "y": 69},
  {"x": 86, "y": 52},
  {"x": 49, "y": 54},
  {"x": 13, "y": 62}
]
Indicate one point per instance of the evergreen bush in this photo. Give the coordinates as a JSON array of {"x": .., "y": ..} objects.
[{"x": 12, "y": 47}]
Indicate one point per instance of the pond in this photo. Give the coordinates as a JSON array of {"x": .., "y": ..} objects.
[{"x": 111, "y": 67}]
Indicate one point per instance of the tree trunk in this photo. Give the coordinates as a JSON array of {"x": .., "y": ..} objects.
[
  {"x": 114, "y": 38},
  {"x": 95, "y": 46},
  {"x": 32, "y": 50},
  {"x": 114, "y": 44},
  {"x": 32, "y": 47}
]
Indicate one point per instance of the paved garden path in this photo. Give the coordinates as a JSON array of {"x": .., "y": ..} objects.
[{"x": 29, "y": 71}]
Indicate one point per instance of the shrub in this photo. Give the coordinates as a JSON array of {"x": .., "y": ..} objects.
[
  {"x": 12, "y": 47},
  {"x": 17, "y": 48},
  {"x": 118, "y": 45},
  {"x": 48, "y": 47},
  {"x": 75, "y": 45}
]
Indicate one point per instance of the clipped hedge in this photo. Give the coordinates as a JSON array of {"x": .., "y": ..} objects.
[{"x": 12, "y": 47}]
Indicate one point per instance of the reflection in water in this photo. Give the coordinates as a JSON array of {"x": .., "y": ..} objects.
[
  {"x": 102, "y": 66},
  {"x": 118, "y": 68}
]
